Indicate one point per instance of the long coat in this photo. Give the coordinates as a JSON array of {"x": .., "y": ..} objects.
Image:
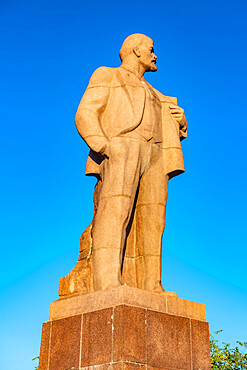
[{"x": 113, "y": 105}]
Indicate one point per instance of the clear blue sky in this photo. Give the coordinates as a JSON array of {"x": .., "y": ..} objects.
[{"x": 49, "y": 49}]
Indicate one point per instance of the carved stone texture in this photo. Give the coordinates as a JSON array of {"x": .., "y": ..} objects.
[
  {"x": 80, "y": 279},
  {"x": 134, "y": 133}
]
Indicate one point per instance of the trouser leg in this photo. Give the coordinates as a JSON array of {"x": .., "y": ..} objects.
[
  {"x": 150, "y": 220},
  {"x": 120, "y": 177}
]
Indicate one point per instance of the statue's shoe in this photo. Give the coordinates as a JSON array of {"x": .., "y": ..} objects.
[{"x": 159, "y": 289}]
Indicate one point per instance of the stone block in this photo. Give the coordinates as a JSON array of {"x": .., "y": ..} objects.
[
  {"x": 129, "y": 335},
  {"x": 65, "y": 343},
  {"x": 80, "y": 304},
  {"x": 97, "y": 337},
  {"x": 200, "y": 345},
  {"x": 168, "y": 341},
  {"x": 182, "y": 307},
  {"x": 45, "y": 345}
]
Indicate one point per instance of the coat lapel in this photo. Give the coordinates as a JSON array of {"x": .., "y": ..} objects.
[{"x": 135, "y": 92}]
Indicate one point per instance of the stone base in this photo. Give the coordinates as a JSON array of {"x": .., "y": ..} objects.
[
  {"x": 165, "y": 302},
  {"x": 124, "y": 335}
]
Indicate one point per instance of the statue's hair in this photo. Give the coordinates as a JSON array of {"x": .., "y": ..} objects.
[{"x": 130, "y": 43}]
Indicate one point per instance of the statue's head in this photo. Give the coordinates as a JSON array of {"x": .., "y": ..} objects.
[{"x": 141, "y": 47}]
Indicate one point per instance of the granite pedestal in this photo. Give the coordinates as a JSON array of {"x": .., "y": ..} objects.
[{"x": 125, "y": 328}]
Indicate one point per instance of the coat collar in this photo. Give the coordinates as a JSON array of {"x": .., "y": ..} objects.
[
  {"x": 128, "y": 77},
  {"x": 131, "y": 71}
]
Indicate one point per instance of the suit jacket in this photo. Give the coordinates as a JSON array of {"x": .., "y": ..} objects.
[{"x": 113, "y": 105}]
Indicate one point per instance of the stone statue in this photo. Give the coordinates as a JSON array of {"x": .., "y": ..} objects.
[{"x": 134, "y": 133}]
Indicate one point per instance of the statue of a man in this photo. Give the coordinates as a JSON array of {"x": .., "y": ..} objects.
[{"x": 134, "y": 133}]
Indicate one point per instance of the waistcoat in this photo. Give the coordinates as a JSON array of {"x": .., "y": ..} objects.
[{"x": 150, "y": 128}]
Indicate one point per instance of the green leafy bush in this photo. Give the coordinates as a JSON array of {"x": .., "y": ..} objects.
[
  {"x": 36, "y": 359},
  {"x": 223, "y": 357}
]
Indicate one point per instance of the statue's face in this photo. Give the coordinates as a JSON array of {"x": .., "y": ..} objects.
[{"x": 146, "y": 55}]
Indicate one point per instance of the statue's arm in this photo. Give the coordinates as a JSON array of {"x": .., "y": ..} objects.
[{"x": 90, "y": 109}]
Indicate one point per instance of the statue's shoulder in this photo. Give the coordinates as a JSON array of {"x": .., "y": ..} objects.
[{"x": 102, "y": 76}]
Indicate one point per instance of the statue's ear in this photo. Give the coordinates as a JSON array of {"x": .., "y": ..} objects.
[{"x": 137, "y": 51}]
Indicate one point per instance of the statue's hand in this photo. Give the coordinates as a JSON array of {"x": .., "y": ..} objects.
[{"x": 177, "y": 113}]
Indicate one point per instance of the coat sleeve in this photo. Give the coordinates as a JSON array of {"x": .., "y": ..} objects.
[{"x": 90, "y": 110}]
